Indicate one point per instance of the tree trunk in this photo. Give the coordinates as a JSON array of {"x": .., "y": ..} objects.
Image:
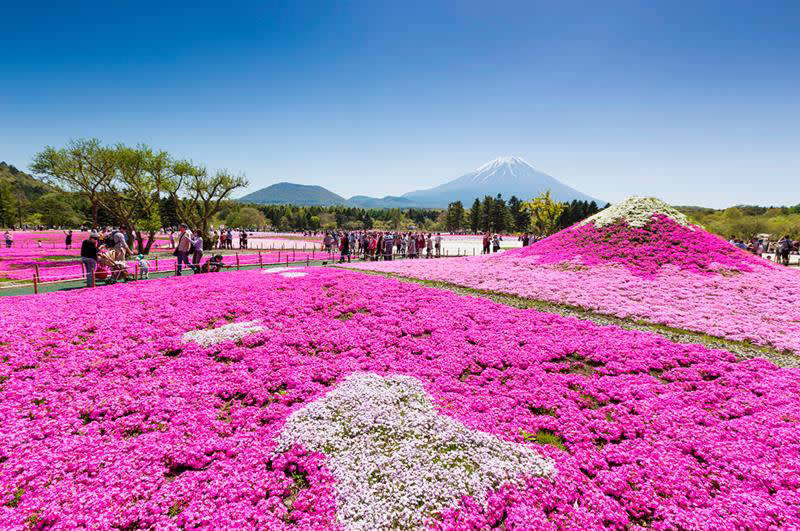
[{"x": 151, "y": 237}]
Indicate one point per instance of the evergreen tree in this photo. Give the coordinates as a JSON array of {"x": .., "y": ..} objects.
[
  {"x": 475, "y": 216},
  {"x": 455, "y": 216}
]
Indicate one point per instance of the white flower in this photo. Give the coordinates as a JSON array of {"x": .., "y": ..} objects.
[
  {"x": 280, "y": 269},
  {"x": 637, "y": 212},
  {"x": 293, "y": 274},
  {"x": 397, "y": 461},
  {"x": 228, "y": 332}
]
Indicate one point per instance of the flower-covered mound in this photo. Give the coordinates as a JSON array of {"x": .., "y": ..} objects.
[
  {"x": 388, "y": 450},
  {"x": 662, "y": 271},
  {"x": 112, "y": 420}
]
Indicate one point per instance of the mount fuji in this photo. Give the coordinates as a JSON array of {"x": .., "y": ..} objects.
[
  {"x": 508, "y": 176},
  {"x": 504, "y": 175}
]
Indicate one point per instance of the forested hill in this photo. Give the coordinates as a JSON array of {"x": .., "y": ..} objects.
[{"x": 28, "y": 185}]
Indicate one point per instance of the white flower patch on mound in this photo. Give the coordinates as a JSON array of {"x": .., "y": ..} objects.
[
  {"x": 294, "y": 274},
  {"x": 396, "y": 461},
  {"x": 636, "y": 211},
  {"x": 228, "y": 332}
]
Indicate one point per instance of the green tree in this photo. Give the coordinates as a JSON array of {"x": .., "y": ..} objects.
[
  {"x": 455, "y": 219},
  {"x": 519, "y": 218},
  {"x": 55, "y": 211},
  {"x": 544, "y": 213},
  {"x": 8, "y": 205},
  {"x": 84, "y": 166},
  {"x": 246, "y": 217},
  {"x": 475, "y": 216}
]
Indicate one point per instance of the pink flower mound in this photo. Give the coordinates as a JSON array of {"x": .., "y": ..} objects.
[
  {"x": 111, "y": 420},
  {"x": 643, "y": 250}
]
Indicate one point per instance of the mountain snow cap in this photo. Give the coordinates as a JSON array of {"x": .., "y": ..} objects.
[
  {"x": 637, "y": 212},
  {"x": 502, "y": 161}
]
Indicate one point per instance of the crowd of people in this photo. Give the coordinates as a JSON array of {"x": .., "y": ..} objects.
[
  {"x": 761, "y": 245},
  {"x": 382, "y": 245},
  {"x": 386, "y": 245},
  {"x": 218, "y": 239},
  {"x": 110, "y": 247}
]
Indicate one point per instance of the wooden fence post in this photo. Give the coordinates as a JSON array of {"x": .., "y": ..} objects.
[
  {"x": 237, "y": 261},
  {"x": 35, "y": 285},
  {"x": 260, "y": 263},
  {"x": 36, "y": 267},
  {"x": 156, "y": 263}
]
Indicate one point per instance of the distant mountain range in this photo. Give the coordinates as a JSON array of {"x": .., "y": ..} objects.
[{"x": 505, "y": 175}]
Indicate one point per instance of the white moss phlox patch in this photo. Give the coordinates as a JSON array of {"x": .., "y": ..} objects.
[
  {"x": 396, "y": 461},
  {"x": 293, "y": 274},
  {"x": 279, "y": 270},
  {"x": 637, "y": 212},
  {"x": 228, "y": 332}
]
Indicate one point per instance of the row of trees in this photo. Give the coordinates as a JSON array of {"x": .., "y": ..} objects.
[
  {"x": 136, "y": 188},
  {"x": 292, "y": 217},
  {"x": 541, "y": 215},
  {"x": 748, "y": 221}
]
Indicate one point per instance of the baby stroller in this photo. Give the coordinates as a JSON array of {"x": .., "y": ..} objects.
[{"x": 109, "y": 270}]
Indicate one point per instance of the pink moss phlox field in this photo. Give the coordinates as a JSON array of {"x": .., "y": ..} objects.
[
  {"x": 111, "y": 420},
  {"x": 663, "y": 273}
]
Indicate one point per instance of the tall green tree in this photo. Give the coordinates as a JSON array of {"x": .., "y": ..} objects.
[
  {"x": 475, "y": 216},
  {"x": 456, "y": 215},
  {"x": 84, "y": 166},
  {"x": 544, "y": 213},
  {"x": 200, "y": 196}
]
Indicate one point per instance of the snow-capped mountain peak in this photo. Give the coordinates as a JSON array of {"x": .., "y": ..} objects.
[
  {"x": 507, "y": 175},
  {"x": 502, "y": 161},
  {"x": 502, "y": 169}
]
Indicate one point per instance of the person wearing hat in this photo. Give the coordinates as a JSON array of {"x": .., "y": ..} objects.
[
  {"x": 89, "y": 257},
  {"x": 144, "y": 266}
]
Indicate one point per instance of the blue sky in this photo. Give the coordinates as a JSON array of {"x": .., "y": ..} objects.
[{"x": 696, "y": 102}]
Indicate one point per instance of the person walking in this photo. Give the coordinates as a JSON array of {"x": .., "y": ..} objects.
[
  {"x": 345, "y": 248},
  {"x": 68, "y": 240},
  {"x": 172, "y": 239},
  {"x": 89, "y": 257},
  {"x": 183, "y": 248},
  {"x": 388, "y": 245},
  {"x": 438, "y": 243},
  {"x": 784, "y": 248},
  {"x": 9, "y": 239},
  {"x": 429, "y": 246},
  {"x": 121, "y": 248},
  {"x": 197, "y": 250}
]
